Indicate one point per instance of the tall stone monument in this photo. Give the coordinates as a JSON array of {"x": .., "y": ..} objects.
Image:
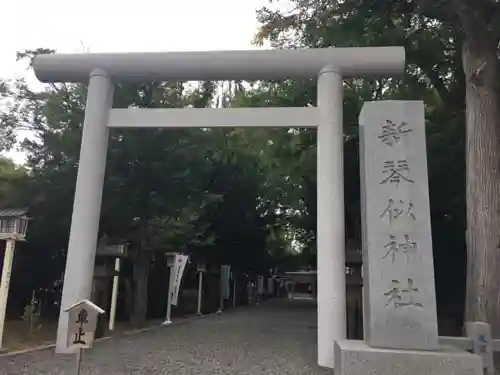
[{"x": 399, "y": 301}]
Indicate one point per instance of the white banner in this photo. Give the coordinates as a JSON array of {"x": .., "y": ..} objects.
[
  {"x": 178, "y": 269},
  {"x": 225, "y": 276}
]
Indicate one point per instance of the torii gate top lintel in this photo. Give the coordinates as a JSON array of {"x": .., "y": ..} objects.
[{"x": 222, "y": 65}]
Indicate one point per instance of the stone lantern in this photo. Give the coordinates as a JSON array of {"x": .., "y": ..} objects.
[
  {"x": 13, "y": 224},
  {"x": 13, "y": 227}
]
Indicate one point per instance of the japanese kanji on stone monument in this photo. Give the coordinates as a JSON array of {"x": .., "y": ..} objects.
[
  {"x": 397, "y": 259},
  {"x": 399, "y": 301}
]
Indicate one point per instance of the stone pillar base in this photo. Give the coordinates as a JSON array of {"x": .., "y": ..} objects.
[{"x": 353, "y": 357}]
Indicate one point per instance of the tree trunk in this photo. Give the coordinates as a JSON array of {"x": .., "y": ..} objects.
[
  {"x": 129, "y": 298},
  {"x": 481, "y": 69},
  {"x": 141, "y": 272}
]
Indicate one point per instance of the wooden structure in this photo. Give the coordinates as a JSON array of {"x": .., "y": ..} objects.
[
  {"x": 354, "y": 286},
  {"x": 106, "y": 253},
  {"x": 13, "y": 223}
]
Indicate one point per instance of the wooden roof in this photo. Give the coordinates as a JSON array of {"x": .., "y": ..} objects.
[{"x": 13, "y": 212}]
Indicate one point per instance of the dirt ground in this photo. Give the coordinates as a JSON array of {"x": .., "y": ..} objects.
[{"x": 17, "y": 336}]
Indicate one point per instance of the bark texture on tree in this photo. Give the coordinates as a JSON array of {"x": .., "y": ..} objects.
[
  {"x": 141, "y": 273},
  {"x": 481, "y": 67}
]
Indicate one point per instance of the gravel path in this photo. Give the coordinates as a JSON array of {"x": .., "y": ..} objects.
[{"x": 278, "y": 337}]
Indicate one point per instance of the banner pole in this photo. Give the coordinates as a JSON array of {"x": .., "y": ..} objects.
[{"x": 170, "y": 291}]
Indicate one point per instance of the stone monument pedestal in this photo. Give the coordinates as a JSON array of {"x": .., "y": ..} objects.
[{"x": 353, "y": 357}]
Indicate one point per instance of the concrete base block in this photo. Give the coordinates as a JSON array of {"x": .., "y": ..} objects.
[{"x": 353, "y": 357}]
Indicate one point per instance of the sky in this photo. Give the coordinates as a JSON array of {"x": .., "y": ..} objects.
[{"x": 71, "y": 26}]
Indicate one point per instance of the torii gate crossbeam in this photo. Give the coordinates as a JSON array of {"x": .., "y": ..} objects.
[{"x": 328, "y": 65}]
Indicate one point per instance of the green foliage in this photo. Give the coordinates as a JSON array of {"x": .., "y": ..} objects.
[
  {"x": 432, "y": 36},
  {"x": 31, "y": 315},
  {"x": 12, "y": 177},
  {"x": 165, "y": 190}
]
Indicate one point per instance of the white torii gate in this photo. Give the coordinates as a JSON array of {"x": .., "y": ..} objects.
[{"x": 328, "y": 65}]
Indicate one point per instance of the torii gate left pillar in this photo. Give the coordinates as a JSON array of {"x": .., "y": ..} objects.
[{"x": 328, "y": 65}]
